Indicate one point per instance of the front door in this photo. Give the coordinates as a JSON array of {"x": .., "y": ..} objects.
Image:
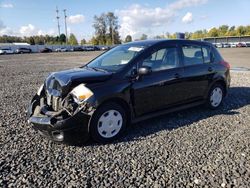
[{"x": 162, "y": 87}]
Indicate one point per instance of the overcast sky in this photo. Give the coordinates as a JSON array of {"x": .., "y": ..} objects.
[{"x": 32, "y": 17}]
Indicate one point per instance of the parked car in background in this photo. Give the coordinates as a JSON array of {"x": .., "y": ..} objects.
[
  {"x": 233, "y": 45},
  {"x": 77, "y": 49},
  {"x": 214, "y": 44},
  {"x": 88, "y": 48},
  {"x": 97, "y": 48},
  {"x": 23, "y": 50},
  {"x": 104, "y": 47},
  {"x": 61, "y": 49},
  {"x": 129, "y": 83},
  {"x": 219, "y": 45},
  {"x": 45, "y": 50},
  {"x": 241, "y": 45},
  {"x": 6, "y": 51},
  {"x": 226, "y": 45},
  {"x": 248, "y": 44}
]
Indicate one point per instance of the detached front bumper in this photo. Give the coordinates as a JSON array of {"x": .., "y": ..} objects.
[{"x": 73, "y": 129}]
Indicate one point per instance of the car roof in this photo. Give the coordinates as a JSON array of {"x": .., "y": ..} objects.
[{"x": 159, "y": 41}]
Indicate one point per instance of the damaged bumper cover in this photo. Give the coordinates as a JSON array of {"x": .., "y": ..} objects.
[{"x": 56, "y": 125}]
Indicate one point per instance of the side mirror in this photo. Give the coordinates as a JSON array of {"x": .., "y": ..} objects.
[{"x": 144, "y": 70}]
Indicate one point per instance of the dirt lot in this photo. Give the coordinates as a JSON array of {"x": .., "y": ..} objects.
[{"x": 192, "y": 148}]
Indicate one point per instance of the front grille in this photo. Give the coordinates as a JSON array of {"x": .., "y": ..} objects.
[
  {"x": 53, "y": 94},
  {"x": 54, "y": 102}
]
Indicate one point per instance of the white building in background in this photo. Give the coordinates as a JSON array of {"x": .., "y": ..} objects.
[{"x": 21, "y": 43}]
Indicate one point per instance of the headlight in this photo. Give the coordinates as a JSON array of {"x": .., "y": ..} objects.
[
  {"x": 40, "y": 90},
  {"x": 81, "y": 93}
]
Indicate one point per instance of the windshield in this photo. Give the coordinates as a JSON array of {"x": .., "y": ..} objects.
[{"x": 116, "y": 58}]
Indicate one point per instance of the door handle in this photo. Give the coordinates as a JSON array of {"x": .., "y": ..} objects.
[
  {"x": 210, "y": 69},
  {"x": 177, "y": 75}
]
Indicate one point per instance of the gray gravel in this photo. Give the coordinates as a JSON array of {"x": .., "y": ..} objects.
[{"x": 192, "y": 148}]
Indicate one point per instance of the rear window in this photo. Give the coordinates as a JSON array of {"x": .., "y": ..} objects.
[{"x": 192, "y": 55}]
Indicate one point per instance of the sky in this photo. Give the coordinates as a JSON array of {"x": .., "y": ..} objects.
[{"x": 155, "y": 17}]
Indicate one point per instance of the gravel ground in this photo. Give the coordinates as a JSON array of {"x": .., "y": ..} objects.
[{"x": 191, "y": 148}]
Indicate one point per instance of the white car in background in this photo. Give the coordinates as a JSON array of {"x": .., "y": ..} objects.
[
  {"x": 62, "y": 49},
  {"x": 233, "y": 45},
  {"x": 6, "y": 51},
  {"x": 219, "y": 45}
]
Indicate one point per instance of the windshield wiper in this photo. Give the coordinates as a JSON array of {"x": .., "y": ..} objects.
[
  {"x": 96, "y": 68},
  {"x": 99, "y": 69}
]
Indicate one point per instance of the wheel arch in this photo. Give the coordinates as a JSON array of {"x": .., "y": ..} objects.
[
  {"x": 223, "y": 83},
  {"x": 118, "y": 101},
  {"x": 220, "y": 81}
]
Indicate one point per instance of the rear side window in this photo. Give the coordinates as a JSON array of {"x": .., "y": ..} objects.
[{"x": 193, "y": 55}]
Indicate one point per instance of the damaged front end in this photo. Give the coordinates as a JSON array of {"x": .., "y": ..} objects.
[{"x": 60, "y": 116}]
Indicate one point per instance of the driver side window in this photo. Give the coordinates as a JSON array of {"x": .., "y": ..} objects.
[{"x": 163, "y": 59}]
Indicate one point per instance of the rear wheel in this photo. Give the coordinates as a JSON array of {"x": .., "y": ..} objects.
[
  {"x": 215, "y": 96},
  {"x": 108, "y": 122}
]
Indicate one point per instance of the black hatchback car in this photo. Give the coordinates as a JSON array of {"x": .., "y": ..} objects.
[{"x": 127, "y": 84}]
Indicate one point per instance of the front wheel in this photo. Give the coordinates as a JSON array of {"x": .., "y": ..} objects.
[
  {"x": 215, "y": 96},
  {"x": 108, "y": 122}
]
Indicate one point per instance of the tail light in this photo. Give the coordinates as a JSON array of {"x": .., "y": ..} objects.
[{"x": 226, "y": 64}]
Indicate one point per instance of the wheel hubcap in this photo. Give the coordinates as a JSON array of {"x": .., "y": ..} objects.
[
  {"x": 216, "y": 97},
  {"x": 110, "y": 123}
]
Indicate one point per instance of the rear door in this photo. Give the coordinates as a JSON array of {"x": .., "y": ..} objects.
[{"x": 196, "y": 60}]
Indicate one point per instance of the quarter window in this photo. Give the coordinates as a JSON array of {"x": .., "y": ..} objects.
[
  {"x": 206, "y": 54},
  {"x": 162, "y": 59},
  {"x": 192, "y": 55}
]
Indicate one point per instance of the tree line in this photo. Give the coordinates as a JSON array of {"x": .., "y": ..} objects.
[
  {"x": 221, "y": 31},
  {"x": 106, "y": 28},
  {"x": 41, "y": 39}
]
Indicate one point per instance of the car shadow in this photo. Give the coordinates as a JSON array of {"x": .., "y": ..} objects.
[{"x": 237, "y": 97}]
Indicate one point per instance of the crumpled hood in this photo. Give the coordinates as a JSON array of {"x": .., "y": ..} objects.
[{"x": 63, "y": 80}]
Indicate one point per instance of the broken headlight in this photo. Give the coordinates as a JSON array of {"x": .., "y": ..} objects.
[{"x": 81, "y": 93}]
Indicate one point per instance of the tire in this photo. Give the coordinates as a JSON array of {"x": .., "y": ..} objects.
[
  {"x": 108, "y": 123},
  {"x": 215, "y": 96}
]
